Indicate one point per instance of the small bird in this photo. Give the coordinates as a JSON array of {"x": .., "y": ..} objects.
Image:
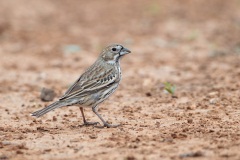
[{"x": 94, "y": 86}]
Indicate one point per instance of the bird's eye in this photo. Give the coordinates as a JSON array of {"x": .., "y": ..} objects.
[{"x": 114, "y": 49}]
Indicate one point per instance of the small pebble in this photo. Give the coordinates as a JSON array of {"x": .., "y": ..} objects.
[
  {"x": 93, "y": 136},
  {"x": 47, "y": 94},
  {"x": 213, "y": 100},
  {"x": 54, "y": 118},
  {"x": 148, "y": 94},
  {"x": 190, "y": 121},
  {"x": 212, "y": 94}
]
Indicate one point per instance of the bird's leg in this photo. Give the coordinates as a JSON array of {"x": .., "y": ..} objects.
[
  {"x": 105, "y": 124},
  {"x": 84, "y": 120}
]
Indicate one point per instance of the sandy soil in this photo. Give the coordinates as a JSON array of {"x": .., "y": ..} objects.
[{"x": 194, "y": 44}]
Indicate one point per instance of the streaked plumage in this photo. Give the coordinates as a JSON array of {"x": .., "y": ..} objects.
[{"x": 95, "y": 85}]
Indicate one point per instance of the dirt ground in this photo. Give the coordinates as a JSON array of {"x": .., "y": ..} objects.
[{"x": 193, "y": 44}]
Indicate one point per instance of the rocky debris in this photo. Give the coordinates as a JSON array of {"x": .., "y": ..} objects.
[{"x": 47, "y": 94}]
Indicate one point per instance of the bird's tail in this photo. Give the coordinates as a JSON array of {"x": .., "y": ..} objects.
[{"x": 45, "y": 110}]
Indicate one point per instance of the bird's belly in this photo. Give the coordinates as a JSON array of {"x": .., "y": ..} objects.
[
  {"x": 107, "y": 92},
  {"x": 100, "y": 96}
]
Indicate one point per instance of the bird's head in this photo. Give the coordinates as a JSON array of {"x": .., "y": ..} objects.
[{"x": 112, "y": 53}]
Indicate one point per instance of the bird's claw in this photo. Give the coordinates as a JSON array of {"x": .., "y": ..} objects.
[
  {"x": 90, "y": 123},
  {"x": 107, "y": 125}
]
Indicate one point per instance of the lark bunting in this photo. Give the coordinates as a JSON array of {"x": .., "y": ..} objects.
[{"x": 94, "y": 86}]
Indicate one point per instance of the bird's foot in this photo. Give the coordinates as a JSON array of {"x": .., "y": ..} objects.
[
  {"x": 86, "y": 123},
  {"x": 108, "y": 125}
]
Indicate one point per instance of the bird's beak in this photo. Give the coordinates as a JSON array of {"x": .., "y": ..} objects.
[{"x": 124, "y": 51}]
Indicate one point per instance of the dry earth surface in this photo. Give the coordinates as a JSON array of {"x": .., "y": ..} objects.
[{"x": 194, "y": 44}]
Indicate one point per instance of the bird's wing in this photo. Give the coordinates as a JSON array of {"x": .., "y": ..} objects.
[{"x": 91, "y": 81}]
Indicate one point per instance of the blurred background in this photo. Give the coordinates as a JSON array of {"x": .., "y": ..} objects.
[
  {"x": 44, "y": 26},
  {"x": 48, "y": 33},
  {"x": 193, "y": 44}
]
